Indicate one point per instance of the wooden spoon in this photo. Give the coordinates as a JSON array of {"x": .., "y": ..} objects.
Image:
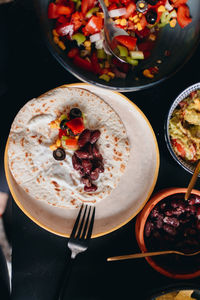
[
  {"x": 192, "y": 181},
  {"x": 145, "y": 254}
]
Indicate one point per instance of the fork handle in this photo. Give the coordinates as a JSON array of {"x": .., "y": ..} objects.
[{"x": 65, "y": 277}]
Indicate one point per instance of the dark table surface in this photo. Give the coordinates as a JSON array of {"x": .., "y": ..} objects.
[{"x": 27, "y": 70}]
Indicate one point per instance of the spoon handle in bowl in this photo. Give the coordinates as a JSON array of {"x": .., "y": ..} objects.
[
  {"x": 140, "y": 255},
  {"x": 192, "y": 181}
]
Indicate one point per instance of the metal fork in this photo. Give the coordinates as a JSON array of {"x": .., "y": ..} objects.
[{"x": 78, "y": 242}]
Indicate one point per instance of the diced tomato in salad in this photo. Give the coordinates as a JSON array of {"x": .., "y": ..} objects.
[{"x": 79, "y": 28}]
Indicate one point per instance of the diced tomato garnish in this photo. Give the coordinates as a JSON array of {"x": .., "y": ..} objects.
[
  {"x": 183, "y": 15},
  {"x": 72, "y": 143},
  {"x": 130, "y": 9},
  {"x": 94, "y": 25},
  {"x": 179, "y": 148},
  {"x": 62, "y": 20},
  {"x": 127, "y": 41},
  {"x": 76, "y": 125},
  {"x": 77, "y": 19},
  {"x": 61, "y": 133},
  {"x": 125, "y": 2},
  {"x": 52, "y": 11},
  {"x": 83, "y": 63},
  {"x": 176, "y": 3},
  {"x": 73, "y": 52}
]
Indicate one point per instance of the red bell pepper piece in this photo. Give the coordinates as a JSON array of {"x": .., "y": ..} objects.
[
  {"x": 65, "y": 29},
  {"x": 76, "y": 125},
  {"x": 94, "y": 25},
  {"x": 71, "y": 143},
  {"x": 77, "y": 19},
  {"x": 52, "y": 11},
  {"x": 112, "y": 6},
  {"x": 127, "y": 41},
  {"x": 73, "y": 52},
  {"x": 130, "y": 9},
  {"x": 83, "y": 63},
  {"x": 96, "y": 67},
  {"x": 62, "y": 20},
  {"x": 176, "y": 3},
  {"x": 86, "y": 5},
  {"x": 64, "y": 10},
  {"x": 183, "y": 15}
]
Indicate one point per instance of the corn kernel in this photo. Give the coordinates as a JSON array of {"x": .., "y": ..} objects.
[
  {"x": 123, "y": 22},
  {"x": 152, "y": 37},
  {"x": 117, "y": 21},
  {"x": 58, "y": 143},
  {"x": 53, "y": 147},
  {"x": 54, "y": 124},
  {"x": 161, "y": 8},
  {"x": 61, "y": 45},
  {"x": 55, "y": 32},
  {"x": 106, "y": 2},
  {"x": 56, "y": 39},
  {"x": 111, "y": 74},
  {"x": 139, "y": 27},
  {"x": 172, "y": 23},
  {"x": 140, "y": 15},
  {"x": 147, "y": 73},
  {"x": 107, "y": 65},
  {"x": 87, "y": 44},
  {"x": 100, "y": 14}
]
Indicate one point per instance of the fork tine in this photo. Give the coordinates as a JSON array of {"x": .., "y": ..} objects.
[
  {"x": 76, "y": 223},
  {"x": 89, "y": 233},
  {"x": 86, "y": 224},
  {"x": 82, "y": 222}
]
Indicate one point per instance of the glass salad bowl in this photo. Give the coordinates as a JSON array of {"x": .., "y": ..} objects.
[{"x": 166, "y": 57}]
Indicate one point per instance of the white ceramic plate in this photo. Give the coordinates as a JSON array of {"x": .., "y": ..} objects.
[{"x": 131, "y": 194}]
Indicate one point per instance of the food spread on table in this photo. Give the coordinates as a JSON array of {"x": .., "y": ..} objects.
[
  {"x": 184, "y": 128},
  {"x": 73, "y": 135},
  {"x": 78, "y": 29},
  {"x": 65, "y": 151},
  {"x": 174, "y": 224}
]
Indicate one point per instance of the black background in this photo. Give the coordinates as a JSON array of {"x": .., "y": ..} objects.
[{"x": 27, "y": 70}]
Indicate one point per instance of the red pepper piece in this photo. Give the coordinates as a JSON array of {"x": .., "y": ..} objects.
[
  {"x": 183, "y": 15},
  {"x": 179, "y": 148},
  {"x": 77, "y": 19},
  {"x": 73, "y": 52},
  {"x": 176, "y": 3},
  {"x": 95, "y": 64},
  {"x": 83, "y": 63},
  {"x": 86, "y": 5},
  {"x": 52, "y": 11},
  {"x": 94, "y": 25},
  {"x": 64, "y": 10},
  {"x": 130, "y": 9},
  {"x": 76, "y": 125},
  {"x": 127, "y": 41},
  {"x": 62, "y": 132}
]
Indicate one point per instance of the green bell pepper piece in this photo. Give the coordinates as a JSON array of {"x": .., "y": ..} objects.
[
  {"x": 137, "y": 54},
  {"x": 123, "y": 51},
  {"x": 91, "y": 12},
  {"x": 101, "y": 54},
  {"x": 131, "y": 61},
  {"x": 105, "y": 77},
  {"x": 79, "y": 38}
]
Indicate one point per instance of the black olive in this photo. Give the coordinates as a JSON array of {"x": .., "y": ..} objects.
[
  {"x": 59, "y": 154},
  {"x": 152, "y": 2},
  {"x": 63, "y": 124},
  {"x": 75, "y": 113},
  {"x": 151, "y": 16}
]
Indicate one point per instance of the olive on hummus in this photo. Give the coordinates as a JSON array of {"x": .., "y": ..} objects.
[{"x": 184, "y": 128}]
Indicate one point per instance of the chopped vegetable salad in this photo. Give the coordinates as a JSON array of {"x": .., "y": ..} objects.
[{"x": 81, "y": 22}]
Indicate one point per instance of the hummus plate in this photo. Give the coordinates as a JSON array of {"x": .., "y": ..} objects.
[{"x": 130, "y": 195}]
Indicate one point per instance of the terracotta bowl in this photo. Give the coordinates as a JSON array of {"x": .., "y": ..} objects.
[{"x": 140, "y": 226}]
